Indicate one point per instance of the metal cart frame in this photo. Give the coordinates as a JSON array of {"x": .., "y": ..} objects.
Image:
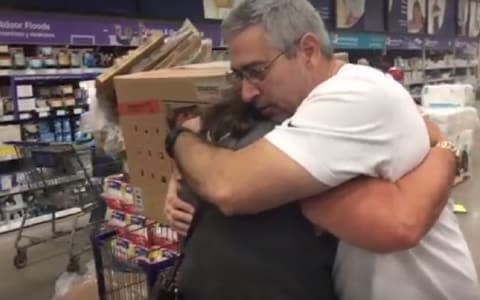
[
  {"x": 54, "y": 174},
  {"x": 122, "y": 279}
]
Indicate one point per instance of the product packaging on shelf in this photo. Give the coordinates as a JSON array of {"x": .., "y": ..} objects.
[
  {"x": 27, "y": 104},
  {"x": 24, "y": 91},
  {"x": 145, "y": 102},
  {"x": 10, "y": 133},
  {"x": 447, "y": 95}
]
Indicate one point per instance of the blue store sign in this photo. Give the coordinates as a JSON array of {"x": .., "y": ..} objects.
[{"x": 351, "y": 40}]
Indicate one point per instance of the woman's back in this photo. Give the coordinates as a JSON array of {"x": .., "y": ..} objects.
[{"x": 271, "y": 255}]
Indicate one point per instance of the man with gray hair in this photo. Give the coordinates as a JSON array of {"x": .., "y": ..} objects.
[{"x": 339, "y": 122}]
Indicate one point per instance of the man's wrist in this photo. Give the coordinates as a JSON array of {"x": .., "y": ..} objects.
[
  {"x": 172, "y": 137},
  {"x": 449, "y": 147}
]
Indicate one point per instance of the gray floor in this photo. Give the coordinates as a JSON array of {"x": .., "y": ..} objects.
[{"x": 45, "y": 264}]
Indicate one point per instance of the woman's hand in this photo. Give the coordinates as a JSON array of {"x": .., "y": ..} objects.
[{"x": 179, "y": 213}]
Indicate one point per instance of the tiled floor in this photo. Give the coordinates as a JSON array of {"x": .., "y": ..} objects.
[{"x": 38, "y": 279}]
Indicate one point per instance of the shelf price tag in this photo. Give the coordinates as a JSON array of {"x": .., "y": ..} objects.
[
  {"x": 25, "y": 116},
  {"x": 7, "y": 118},
  {"x": 61, "y": 112}
]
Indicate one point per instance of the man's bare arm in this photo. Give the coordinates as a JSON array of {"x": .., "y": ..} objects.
[
  {"x": 246, "y": 181},
  {"x": 382, "y": 216}
]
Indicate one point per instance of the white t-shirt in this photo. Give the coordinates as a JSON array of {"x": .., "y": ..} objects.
[{"x": 360, "y": 122}]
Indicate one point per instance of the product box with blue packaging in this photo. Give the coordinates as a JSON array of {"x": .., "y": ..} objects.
[
  {"x": 47, "y": 137},
  {"x": 67, "y": 137},
  {"x": 57, "y": 124},
  {"x": 66, "y": 126}
]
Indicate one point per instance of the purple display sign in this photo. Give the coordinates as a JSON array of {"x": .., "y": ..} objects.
[
  {"x": 42, "y": 29},
  {"x": 360, "y": 15},
  {"x": 441, "y": 18},
  {"x": 407, "y": 16},
  {"x": 443, "y": 43},
  {"x": 325, "y": 9},
  {"x": 404, "y": 42},
  {"x": 465, "y": 45}
]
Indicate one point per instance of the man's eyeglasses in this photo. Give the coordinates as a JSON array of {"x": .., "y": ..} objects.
[{"x": 256, "y": 73}]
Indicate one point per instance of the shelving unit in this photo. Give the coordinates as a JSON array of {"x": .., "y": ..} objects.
[
  {"x": 14, "y": 191},
  {"x": 423, "y": 66}
]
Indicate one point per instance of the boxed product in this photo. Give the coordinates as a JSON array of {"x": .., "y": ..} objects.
[
  {"x": 145, "y": 102},
  {"x": 10, "y": 133},
  {"x": 26, "y": 104},
  {"x": 24, "y": 91},
  {"x": 448, "y": 95}
]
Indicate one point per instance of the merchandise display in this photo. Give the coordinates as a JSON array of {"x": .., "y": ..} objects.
[
  {"x": 448, "y": 95},
  {"x": 438, "y": 69}
]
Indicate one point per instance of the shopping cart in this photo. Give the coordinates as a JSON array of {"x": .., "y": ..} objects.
[
  {"x": 56, "y": 176},
  {"x": 125, "y": 275}
]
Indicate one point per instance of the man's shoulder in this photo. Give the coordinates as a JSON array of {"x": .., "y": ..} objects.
[{"x": 358, "y": 83}]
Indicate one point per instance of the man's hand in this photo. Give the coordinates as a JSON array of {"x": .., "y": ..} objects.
[
  {"x": 179, "y": 213},
  {"x": 433, "y": 132}
]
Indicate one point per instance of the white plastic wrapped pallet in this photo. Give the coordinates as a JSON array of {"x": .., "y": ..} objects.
[{"x": 458, "y": 125}]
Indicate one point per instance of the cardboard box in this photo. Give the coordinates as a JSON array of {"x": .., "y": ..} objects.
[
  {"x": 27, "y": 104},
  {"x": 145, "y": 102},
  {"x": 24, "y": 91},
  {"x": 10, "y": 133}
]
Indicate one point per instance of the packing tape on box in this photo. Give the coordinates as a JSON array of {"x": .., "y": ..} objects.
[{"x": 147, "y": 107}]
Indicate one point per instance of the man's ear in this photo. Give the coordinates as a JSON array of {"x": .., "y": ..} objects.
[{"x": 309, "y": 46}]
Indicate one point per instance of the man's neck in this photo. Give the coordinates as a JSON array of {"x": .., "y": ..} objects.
[{"x": 334, "y": 65}]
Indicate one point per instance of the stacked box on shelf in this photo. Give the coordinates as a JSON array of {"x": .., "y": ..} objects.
[
  {"x": 5, "y": 58},
  {"x": 66, "y": 130},
  {"x": 57, "y": 127},
  {"x": 45, "y": 132},
  {"x": 25, "y": 98}
]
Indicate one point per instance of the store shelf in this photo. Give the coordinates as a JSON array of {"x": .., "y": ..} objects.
[
  {"x": 466, "y": 66},
  {"x": 14, "y": 225},
  {"x": 412, "y": 70},
  {"x": 40, "y": 185},
  {"x": 50, "y": 72},
  {"x": 44, "y": 113},
  {"x": 439, "y": 80},
  {"x": 439, "y": 68},
  {"x": 414, "y": 82},
  {"x": 7, "y": 118}
]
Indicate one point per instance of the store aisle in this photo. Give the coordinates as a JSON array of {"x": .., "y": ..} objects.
[
  {"x": 38, "y": 279},
  {"x": 46, "y": 263}
]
